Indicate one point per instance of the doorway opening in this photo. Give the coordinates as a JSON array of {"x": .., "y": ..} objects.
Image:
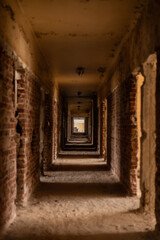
[{"x": 79, "y": 125}]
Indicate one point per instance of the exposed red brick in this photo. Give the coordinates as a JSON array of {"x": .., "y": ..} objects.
[
  {"x": 122, "y": 143},
  {"x": 7, "y": 143},
  {"x": 102, "y": 128},
  {"x": 19, "y": 170},
  {"x": 50, "y": 131},
  {"x": 28, "y": 156}
]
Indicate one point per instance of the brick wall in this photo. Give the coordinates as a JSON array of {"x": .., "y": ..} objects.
[
  {"x": 122, "y": 133},
  {"x": 7, "y": 142},
  {"x": 55, "y": 129},
  {"x": 102, "y": 133},
  {"x": 19, "y": 135},
  {"x": 28, "y": 124},
  {"x": 48, "y": 132}
]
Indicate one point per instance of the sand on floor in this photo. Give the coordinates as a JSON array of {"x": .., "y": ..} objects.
[{"x": 80, "y": 199}]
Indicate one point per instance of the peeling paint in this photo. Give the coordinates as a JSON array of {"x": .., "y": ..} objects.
[
  {"x": 78, "y": 35},
  {"x": 24, "y": 34},
  {"x": 84, "y": 1},
  {"x": 72, "y": 35},
  {"x": 42, "y": 34},
  {"x": 8, "y": 9}
]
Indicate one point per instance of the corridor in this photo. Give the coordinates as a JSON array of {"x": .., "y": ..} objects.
[
  {"x": 80, "y": 119},
  {"x": 81, "y": 200}
]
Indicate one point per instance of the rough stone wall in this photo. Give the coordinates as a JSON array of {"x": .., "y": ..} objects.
[
  {"x": 122, "y": 134},
  {"x": 7, "y": 141},
  {"x": 28, "y": 116}
]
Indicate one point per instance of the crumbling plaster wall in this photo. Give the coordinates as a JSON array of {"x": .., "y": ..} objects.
[
  {"x": 157, "y": 186},
  {"x": 140, "y": 42},
  {"x": 19, "y": 133},
  {"x": 19, "y": 169},
  {"x": 17, "y": 33},
  {"x": 51, "y": 104},
  {"x": 28, "y": 120},
  {"x": 148, "y": 139},
  {"x": 122, "y": 135},
  {"x": 7, "y": 141}
]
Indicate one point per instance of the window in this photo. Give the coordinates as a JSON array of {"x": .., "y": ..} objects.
[{"x": 78, "y": 125}]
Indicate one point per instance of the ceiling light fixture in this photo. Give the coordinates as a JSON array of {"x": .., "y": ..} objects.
[
  {"x": 101, "y": 70},
  {"x": 80, "y": 70},
  {"x": 79, "y": 93}
]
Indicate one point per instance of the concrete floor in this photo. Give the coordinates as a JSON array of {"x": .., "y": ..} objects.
[{"x": 81, "y": 200}]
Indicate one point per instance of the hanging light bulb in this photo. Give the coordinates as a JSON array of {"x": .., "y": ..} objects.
[
  {"x": 101, "y": 70},
  {"x": 80, "y": 70}
]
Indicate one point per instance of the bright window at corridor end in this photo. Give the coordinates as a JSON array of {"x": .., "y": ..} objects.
[{"x": 79, "y": 125}]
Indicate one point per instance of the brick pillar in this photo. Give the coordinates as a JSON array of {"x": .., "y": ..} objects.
[
  {"x": 55, "y": 126},
  {"x": 48, "y": 132},
  {"x": 28, "y": 125},
  {"x": 157, "y": 183},
  {"x": 122, "y": 144},
  {"x": 7, "y": 140},
  {"x": 102, "y": 129}
]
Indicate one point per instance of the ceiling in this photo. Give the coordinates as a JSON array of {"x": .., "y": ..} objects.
[{"x": 75, "y": 33}]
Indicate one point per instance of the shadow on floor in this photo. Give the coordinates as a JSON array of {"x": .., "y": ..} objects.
[
  {"x": 80, "y": 189},
  {"x": 78, "y": 167},
  {"x": 42, "y": 235}
]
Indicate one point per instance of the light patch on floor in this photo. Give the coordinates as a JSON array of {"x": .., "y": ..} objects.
[{"x": 81, "y": 200}]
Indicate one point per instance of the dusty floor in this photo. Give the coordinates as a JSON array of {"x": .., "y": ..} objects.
[{"x": 81, "y": 200}]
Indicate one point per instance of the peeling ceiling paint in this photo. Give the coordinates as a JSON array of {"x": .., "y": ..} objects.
[{"x": 80, "y": 32}]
